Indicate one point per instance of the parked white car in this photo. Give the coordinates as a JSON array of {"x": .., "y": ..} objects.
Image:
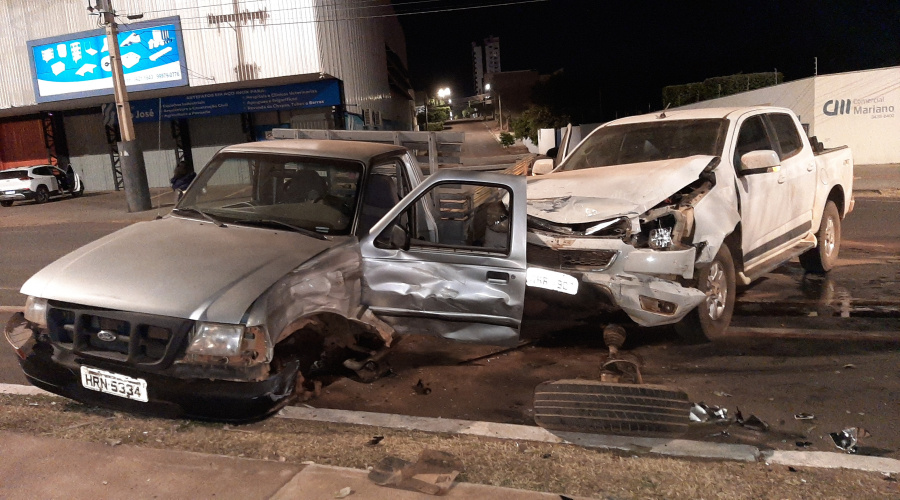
[{"x": 38, "y": 183}]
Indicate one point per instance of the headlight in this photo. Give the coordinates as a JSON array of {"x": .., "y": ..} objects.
[
  {"x": 216, "y": 339},
  {"x": 36, "y": 310},
  {"x": 660, "y": 238}
]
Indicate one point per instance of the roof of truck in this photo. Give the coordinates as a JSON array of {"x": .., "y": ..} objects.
[
  {"x": 330, "y": 148},
  {"x": 695, "y": 114}
]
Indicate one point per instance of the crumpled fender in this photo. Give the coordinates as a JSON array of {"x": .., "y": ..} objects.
[{"x": 716, "y": 216}]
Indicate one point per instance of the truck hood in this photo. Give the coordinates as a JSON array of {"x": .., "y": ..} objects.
[
  {"x": 597, "y": 194},
  {"x": 176, "y": 267}
]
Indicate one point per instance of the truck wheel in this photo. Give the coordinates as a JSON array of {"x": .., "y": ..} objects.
[
  {"x": 41, "y": 195},
  {"x": 76, "y": 194},
  {"x": 710, "y": 319},
  {"x": 6, "y": 203},
  {"x": 822, "y": 258}
]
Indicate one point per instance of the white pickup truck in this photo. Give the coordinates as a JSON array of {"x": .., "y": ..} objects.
[{"x": 661, "y": 215}]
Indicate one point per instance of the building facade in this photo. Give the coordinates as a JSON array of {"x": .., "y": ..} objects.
[
  {"x": 485, "y": 60},
  {"x": 201, "y": 75},
  {"x": 860, "y": 109}
]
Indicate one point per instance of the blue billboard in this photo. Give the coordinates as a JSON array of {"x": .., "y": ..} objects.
[
  {"x": 78, "y": 65},
  {"x": 315, "y": 94}
]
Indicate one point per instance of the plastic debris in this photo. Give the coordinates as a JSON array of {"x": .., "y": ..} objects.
[
  {"x": 375, "y": 440},
  {"x": 889, "y": 476},
  {"x": 722, "y": 394},
  {"x": 701, "y": 412},
  {"x": 432, "y": 473},
  {"x": 849, "y": 366},
  {"x": 752, "y": 422},
  {"x": 344, "y": 493},
  {"x": 422, "y": 388},
  {"x": 848, "y": 438},
  {"x": 804, "y": 416}
]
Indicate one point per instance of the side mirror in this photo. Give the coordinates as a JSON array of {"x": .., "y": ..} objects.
[
  {"x": 542, "y": 167},
  {"x": 759, "y": 162},
  {"x": 399, "y": 237}
]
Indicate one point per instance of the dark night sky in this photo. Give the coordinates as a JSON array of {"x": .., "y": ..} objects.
[{"x": 627, "y": 51}]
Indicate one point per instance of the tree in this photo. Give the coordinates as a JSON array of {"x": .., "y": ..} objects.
[
  {"x": 526, "y": 125},
  {"x": 506, "y": 139}
]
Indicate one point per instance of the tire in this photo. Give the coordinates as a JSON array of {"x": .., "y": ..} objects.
[
  {"x": 711, "y": 318},
  {"x": 76, "y": 194},
  {"x": 596, "y": 407},
  {"x": 6, "y": 203},
  {"x": 41, "y": 195},
  {"x": 822, "y": 258}
]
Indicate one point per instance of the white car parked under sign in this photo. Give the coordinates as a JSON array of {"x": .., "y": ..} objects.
[{"x": 37, "y": 183}]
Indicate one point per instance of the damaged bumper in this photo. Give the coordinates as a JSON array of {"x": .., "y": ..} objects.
[
  {"x": 58, "y": 370},
  {"x": 642, "y": 282}
]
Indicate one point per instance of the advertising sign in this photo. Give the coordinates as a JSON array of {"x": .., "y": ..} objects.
[
  {"x": 78, "y": 65},
  {"x": 315, "y": 94}
]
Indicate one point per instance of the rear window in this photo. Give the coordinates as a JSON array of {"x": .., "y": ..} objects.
[
  {"x": 12, "y": 174},
  {"x": 786, "y": 131}
]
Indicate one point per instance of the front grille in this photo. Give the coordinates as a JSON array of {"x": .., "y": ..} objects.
[
  {"x": 125, "y": 337},
  {"x": 575, "y": 259}
]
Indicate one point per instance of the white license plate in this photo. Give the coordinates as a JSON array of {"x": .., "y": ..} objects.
[
  {"x": 551, "y": 280},
  {"x": 116, "y": 384},
  {"x": 9, "y": 192}
]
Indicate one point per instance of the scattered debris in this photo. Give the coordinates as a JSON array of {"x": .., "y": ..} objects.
[
  {"x": 803, "y": 444},
  {"x": 722, "y": 394},
  {"x": 752, "y": 422},
  {"x": 804, "y": 416},
  {"x": 344, "y": 493},
  {"x": 375, "y": 440},
  {"x": 724, "y": 433},
  {"x": 432, "y": 473},
  {"x": 113, "y": 442},
  {"x": 546, "y": 455},
  {"x": 849, "y": 366},
  {"x": 791, "y": 469},
  {"x": 421, "y": 389},
  {"x": 701, "y": 412},
  {"x": 848, "y": 438},
  {"x": 889, "y": 476}
]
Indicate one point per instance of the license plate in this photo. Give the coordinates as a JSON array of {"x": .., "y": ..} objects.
[
  {"x": 114, "y": 383},
  {"x": 551, "y": 280},
  {"x": 9, "y": 192}
]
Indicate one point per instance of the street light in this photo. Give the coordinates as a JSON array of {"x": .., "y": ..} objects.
[{"x": 487, "y": 87}]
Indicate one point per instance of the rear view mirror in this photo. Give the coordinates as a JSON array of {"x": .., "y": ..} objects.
[
  {"x": 759, "y": 162},
  {"x": 542, "y": 167}
]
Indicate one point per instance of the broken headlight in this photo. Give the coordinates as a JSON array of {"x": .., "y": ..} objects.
[
  {"x": 36, "y": 310},
  {"x": 216, "y": 339},
  {"x": 658, "y": 233},
  {"x": 660, "y": 238}
]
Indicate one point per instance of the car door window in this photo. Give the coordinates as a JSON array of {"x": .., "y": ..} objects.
[
  {"x": 786, "y": 135},
  {"x": 753, "y": 136},
  {"x": 42, "y": 171}
]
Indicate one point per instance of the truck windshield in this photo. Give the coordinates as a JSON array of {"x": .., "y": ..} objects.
[
  {"x": 651, "y": 141},
  {"x": 316, "y": 194}
]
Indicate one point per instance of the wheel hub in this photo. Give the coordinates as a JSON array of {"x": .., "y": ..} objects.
[
  {"x": 829, "y": 237},
  {"x": 716, "y": 291}
]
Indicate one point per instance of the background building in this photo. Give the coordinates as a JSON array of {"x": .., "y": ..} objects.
[
  {"x": 485, "y": 60},
  {"x": 215, "y": 75},
  {"x": 860, "y": 109}
]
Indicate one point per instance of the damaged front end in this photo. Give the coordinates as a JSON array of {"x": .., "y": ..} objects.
[{"x": 641, "y": 256}]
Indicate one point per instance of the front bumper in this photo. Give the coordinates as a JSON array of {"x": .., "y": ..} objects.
[
  {"x": 631, "y": 274},
  {"x": 58, "y": 371}
]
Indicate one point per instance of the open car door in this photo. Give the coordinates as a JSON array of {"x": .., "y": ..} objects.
[{"x": 465, "y": 278}]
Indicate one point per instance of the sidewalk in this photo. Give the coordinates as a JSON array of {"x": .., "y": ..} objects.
[{"x": 40, "y": 467}]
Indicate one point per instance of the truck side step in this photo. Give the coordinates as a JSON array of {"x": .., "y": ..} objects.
[{"x": 610, "y": 408}]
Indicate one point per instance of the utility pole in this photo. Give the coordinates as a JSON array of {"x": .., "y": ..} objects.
[{"x": 134, "y": 173}]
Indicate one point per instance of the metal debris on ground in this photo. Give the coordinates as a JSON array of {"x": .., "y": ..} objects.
[
  {"x": 701, "y": 412},
  {"x": 848, "y": 438},
  {"x": 849, "y": 366},
  {"x": 344, "y": 493},
  {"x": 375, "y": 440},
  {"x": 722, "y": 394},
  {"x": 804, "y": 416},
  {"x": 889, "y": 476},
  {"x": 421, "y": 388},
  {"x": 432, "y": 473},
  {"x": 752, "y": 422},
  {"x": 803, "y": 444}
]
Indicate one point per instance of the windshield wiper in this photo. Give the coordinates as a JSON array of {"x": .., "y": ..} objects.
[
  {"x": 274, "y": 222},
  {"x": 203, "y": 214}
]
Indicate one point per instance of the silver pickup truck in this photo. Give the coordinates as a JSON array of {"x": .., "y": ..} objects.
[{"x": 661, "y": 215}]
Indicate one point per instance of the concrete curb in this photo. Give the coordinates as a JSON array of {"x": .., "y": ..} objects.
[{"x": 667, "y": 447}]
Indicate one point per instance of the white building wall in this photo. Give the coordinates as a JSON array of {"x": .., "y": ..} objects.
[{"x": 870, "y": 125}]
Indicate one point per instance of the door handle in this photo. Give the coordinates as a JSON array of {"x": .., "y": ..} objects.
[{"x": 497, "y": 277}]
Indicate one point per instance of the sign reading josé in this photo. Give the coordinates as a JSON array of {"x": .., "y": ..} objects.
[{"x": 78, "y": 65}]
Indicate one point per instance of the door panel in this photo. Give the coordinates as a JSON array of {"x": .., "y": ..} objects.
[
  {"x": 799, "y": 167},
  {"x": 467, "y": 281}
]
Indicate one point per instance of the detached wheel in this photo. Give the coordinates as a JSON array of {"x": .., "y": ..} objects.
[
  {"x": 6, "y": 203},
  {"x": 822, "y": 258},
  {"x": 41, "y": 195},
  {"x": 712, "y": 316}
]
